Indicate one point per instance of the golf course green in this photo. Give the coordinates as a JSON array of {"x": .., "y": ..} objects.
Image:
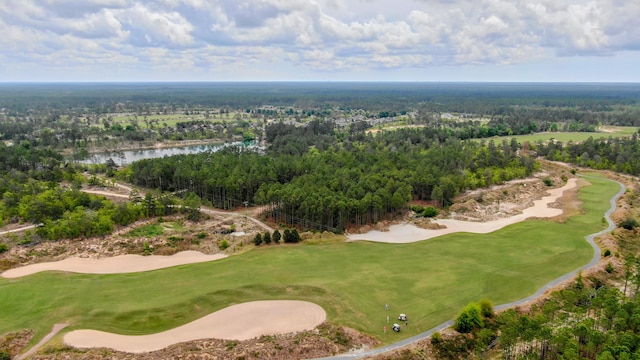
[{"x": 429, "y": 280}]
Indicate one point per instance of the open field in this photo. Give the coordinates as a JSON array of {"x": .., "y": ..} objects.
[
  {"x": 173, "y": 119},
  {"x": 609, "y": 131},
  {"x": 429, "y": 280}
]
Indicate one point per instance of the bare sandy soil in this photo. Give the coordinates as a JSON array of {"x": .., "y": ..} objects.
[
  {"x": 114, "y": 265},
  {"x": 407, "y": 233},
  {"x": 237, "y": 322}
]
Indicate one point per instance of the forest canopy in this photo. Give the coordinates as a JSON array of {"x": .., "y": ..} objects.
[{"x": 333, "y": 181}]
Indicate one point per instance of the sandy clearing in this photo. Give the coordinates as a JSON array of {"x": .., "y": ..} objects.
[
  {"x": 407, "y": 233},
  {"x": 238, "y": 322},
  {"x": 114, "y": 265}
]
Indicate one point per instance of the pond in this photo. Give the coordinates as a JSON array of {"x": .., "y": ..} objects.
[{"x": 126, "y": 157}]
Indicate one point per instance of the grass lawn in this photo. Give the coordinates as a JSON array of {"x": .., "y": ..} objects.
[
  {"x": 429, "y": 280},
  {"x": 612, "y": 131}
]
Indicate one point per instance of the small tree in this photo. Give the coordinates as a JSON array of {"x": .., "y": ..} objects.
[
  {"x": 287, "y": 236},
  {"x": 486, "y": 309},
  {"x": 469, "y": 319},
  {"x": 295, "y": 237},
  {"x": 266, "y": 238},
  {"x": 276, "y": 236},
  {"x": 257, "y": 239}
]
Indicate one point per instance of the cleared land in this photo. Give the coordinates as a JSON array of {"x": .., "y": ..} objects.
[
  {"x": 429, "y": 280},
  {"x": 406, "y": 233}
]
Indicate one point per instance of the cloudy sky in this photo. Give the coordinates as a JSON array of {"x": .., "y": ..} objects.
[{"x": 311, "y": 40}]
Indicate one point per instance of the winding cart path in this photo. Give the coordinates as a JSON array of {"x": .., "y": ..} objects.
[{"x": 596, "y": 258}]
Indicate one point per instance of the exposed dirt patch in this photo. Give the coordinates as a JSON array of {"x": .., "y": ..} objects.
[
  {"x": 14, "y": 342},
  {"x": 215, "y": 233},
  {"x": 509, "y": 199}
]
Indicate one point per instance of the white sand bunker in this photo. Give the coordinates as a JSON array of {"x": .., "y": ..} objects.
[
  {"x": 114, "y": 265},
  {"x": 407, "y": 233},
  {"x": 238, "y": 322}
]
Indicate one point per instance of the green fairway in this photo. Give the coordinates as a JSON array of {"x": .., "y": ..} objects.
[
  {"x": 429, "y": 280},
  {"x": 612, "y": 131}
]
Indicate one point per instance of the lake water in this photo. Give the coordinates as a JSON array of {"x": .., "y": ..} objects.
[{"x": 126, "y": 157}]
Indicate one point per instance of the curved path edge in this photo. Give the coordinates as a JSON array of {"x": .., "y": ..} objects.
[
  {"x": 54, "y": 331},
  {"x": 596, "y": 258}
]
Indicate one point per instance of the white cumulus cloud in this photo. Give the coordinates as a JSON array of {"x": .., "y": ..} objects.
[{"x": 312, "y": 35}]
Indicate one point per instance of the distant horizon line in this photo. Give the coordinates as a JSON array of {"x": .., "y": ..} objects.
[{"x": 317, "y": 81}]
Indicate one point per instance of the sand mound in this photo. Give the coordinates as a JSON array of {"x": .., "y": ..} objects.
[
  {"x": 114, "y": 265},
  {"x": 238, "y": 322},
  {"x": 406, "y": 233}
]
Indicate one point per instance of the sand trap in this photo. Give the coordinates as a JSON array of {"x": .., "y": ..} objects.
[
  {"x": 237, "y": 322},
  {"x": 114, "y": 265},
  {"x": 407, "y": 233}
]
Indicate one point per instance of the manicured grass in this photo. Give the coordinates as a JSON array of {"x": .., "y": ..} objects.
[
  {"x": 613, "y": 131},
  {"x": 429, "y": 280}
]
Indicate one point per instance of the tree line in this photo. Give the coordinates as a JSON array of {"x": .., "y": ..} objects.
[
  {"x": 349, "y": 179},
  {"x": 617, "y": 154}
]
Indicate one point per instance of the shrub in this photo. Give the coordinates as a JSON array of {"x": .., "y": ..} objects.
[
  {"x": 607, "y": 253},
  {"x": 486, "y": 309},
  {"x": 418, "y": 209},
  {"x": 547, "y": 181},
  {"x": 436, "y": 337},
  {"x": 266, "y": 238},
  {"x": 629, "y": 223},
  {"x": 224, "y": 244},
  {"x": 257, "y": 240},
  {"x": 609, "y": 268},
  {"x": 430, "y": 212},
  {"x": 276, "y": 236},
  {"x": 469, "y": 319},
  {"x": 146, "y": 249},
  {"x": 4, "y": 355},
  {"x": 3, "y": 248},
  {"x": 291, "y": 236}
]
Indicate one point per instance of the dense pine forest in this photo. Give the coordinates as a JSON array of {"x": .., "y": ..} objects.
[
  {"x": 617, "y": 154},
  {"x": 327, "y": 179}
]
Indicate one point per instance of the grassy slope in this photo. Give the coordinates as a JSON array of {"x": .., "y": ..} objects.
[
  {"x": 429, "y": 280},
  {"x": 616, "y": 131}
]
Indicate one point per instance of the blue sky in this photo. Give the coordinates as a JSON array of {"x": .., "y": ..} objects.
[{"x": 319, "y": 40}]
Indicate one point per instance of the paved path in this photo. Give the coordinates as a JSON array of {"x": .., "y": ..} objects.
[
  {"x": 596, "y": 258},
  {"x": 54, "y": 331},
  {"x": 20, "y": 229}
]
